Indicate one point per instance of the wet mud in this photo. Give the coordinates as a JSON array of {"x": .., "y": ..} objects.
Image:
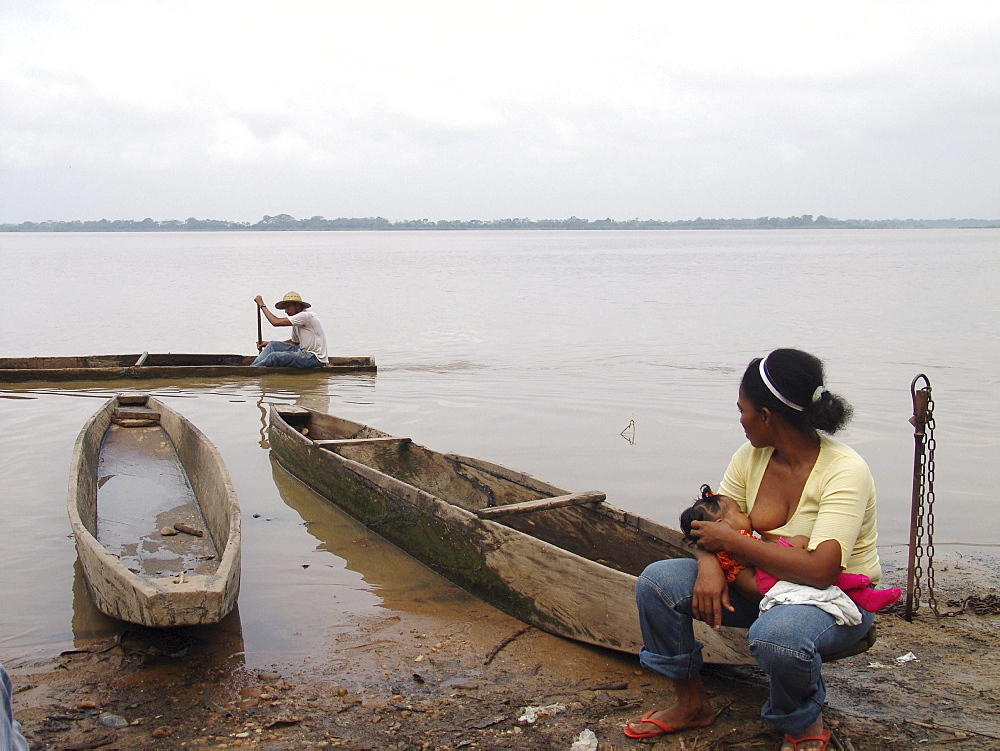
[{"x": 413, "y": 680}]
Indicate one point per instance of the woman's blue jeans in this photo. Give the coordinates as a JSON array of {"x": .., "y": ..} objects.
[
  {"x": 787, "y": 641},
  {"x": 283, "y": 354}
]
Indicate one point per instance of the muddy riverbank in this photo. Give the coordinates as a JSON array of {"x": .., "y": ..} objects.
[{"x": 412, "y": 681}]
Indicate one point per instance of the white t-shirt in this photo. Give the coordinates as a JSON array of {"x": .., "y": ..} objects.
[{"x": 308, "y": 333}]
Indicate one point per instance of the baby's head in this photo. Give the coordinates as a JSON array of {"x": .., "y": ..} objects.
[{"x": 713, "y": 508}]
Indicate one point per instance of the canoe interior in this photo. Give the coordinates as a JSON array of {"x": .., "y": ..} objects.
[
  {"x": 597, "y": 532},
  {"x": 143, "y": 488}
]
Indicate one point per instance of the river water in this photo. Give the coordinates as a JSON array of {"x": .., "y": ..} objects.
[{"x": 593, "y": 360}]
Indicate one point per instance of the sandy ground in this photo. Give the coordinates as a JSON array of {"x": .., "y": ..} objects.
[{"x": 407, "y": 681}]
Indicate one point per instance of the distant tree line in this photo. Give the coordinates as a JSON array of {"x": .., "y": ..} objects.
[{"x": 285, "y": 222}]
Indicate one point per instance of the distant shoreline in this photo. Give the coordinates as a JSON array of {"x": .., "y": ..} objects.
[{"x": 286, "y": 223}]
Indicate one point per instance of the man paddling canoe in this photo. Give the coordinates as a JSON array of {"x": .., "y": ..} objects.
[{"x": 306, "y": 348}]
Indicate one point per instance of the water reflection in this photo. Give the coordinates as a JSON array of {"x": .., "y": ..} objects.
[
  {"x": 400, "y": 581},
  {"x": 89, "y": 623},
  {"x": 262, "y": 408},
  {"x": 212, "y": 647},
  {"x": 317, "y": 391},
  {"x": 353, "y": 387}
]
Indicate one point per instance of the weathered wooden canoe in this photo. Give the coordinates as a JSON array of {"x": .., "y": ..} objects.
[
  {"x": 89, "y": 367},
  {"x": 565, "y": 563},
  {"x": 138, "y": 468}
]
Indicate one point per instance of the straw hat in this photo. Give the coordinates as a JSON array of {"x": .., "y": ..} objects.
[{"x": 291, "y": 297}]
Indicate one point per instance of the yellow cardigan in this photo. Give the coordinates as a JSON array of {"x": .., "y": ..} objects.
[{"x": 837, "y": 503}]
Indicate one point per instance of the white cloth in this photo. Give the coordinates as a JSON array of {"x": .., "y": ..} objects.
[
  {"x": 832, "y": 600},
  {"x": 308, "y": 333}
]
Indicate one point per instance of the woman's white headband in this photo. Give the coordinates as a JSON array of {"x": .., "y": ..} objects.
[{"x": 817, "y": 394}]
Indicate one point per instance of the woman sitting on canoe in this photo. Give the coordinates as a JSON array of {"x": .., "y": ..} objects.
[{"x": 791, "y": 480}]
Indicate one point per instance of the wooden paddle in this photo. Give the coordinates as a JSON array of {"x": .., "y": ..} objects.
[{"x": 260, "y": 336}]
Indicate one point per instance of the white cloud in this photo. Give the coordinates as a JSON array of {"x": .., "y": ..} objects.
[{"x": 461, "y": 110}]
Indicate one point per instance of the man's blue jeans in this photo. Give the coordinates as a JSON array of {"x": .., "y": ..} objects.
[
  {"x": 282, "y": 354},
  {"x": 787, "y": 641},
  {"x": 11, "y": 737}
]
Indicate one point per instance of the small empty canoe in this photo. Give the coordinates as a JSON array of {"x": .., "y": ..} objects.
[
  {"x": 145, "y": 365},
  {"x": 155, "y": 516}
]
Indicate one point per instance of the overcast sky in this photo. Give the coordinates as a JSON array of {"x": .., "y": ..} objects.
[{"x": 220, "y": 109}]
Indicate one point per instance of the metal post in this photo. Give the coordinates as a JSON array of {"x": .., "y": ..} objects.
[{"x": 919, "y": 422}]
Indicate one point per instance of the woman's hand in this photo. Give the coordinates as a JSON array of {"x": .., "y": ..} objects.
[
  {"x": 711, "y": 591},
  {"x": 713, "y": 536}
]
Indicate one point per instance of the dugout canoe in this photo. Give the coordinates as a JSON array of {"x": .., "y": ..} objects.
[
  {"x": 563, "y": 562},
  {"x": 146, "y": 365},
  {"x": 139, "y": 468}
]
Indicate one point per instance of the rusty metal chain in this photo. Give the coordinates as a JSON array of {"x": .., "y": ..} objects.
[
  {"x": 922, "y": 517},
  {"x": 922, "y": 511},
  {"x": 916, "y": 538},
  {"x": 928, "y": 497},
  {"x": 915, "y": 570},
  {"x": 922, "y": 508},
  {"x": 988, "y": 604}
]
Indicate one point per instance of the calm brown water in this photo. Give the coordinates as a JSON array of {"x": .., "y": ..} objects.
[{"x": 531, "y": 349}]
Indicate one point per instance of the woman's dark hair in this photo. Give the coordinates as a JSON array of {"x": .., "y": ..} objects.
[
  {"x": 798, "y": 378},
  {"x": 705, "y": 509}
]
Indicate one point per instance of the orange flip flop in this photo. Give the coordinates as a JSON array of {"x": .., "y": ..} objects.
[
  {"x": 664, "y": 728},
  {"x": 824, "y": 736}
]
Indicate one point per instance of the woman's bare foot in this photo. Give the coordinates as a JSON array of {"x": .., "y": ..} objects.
[
  {"x": 692, "y": 710},
  {"x": 815, "y": 729},
  {"x": 676, "y": 719}
]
